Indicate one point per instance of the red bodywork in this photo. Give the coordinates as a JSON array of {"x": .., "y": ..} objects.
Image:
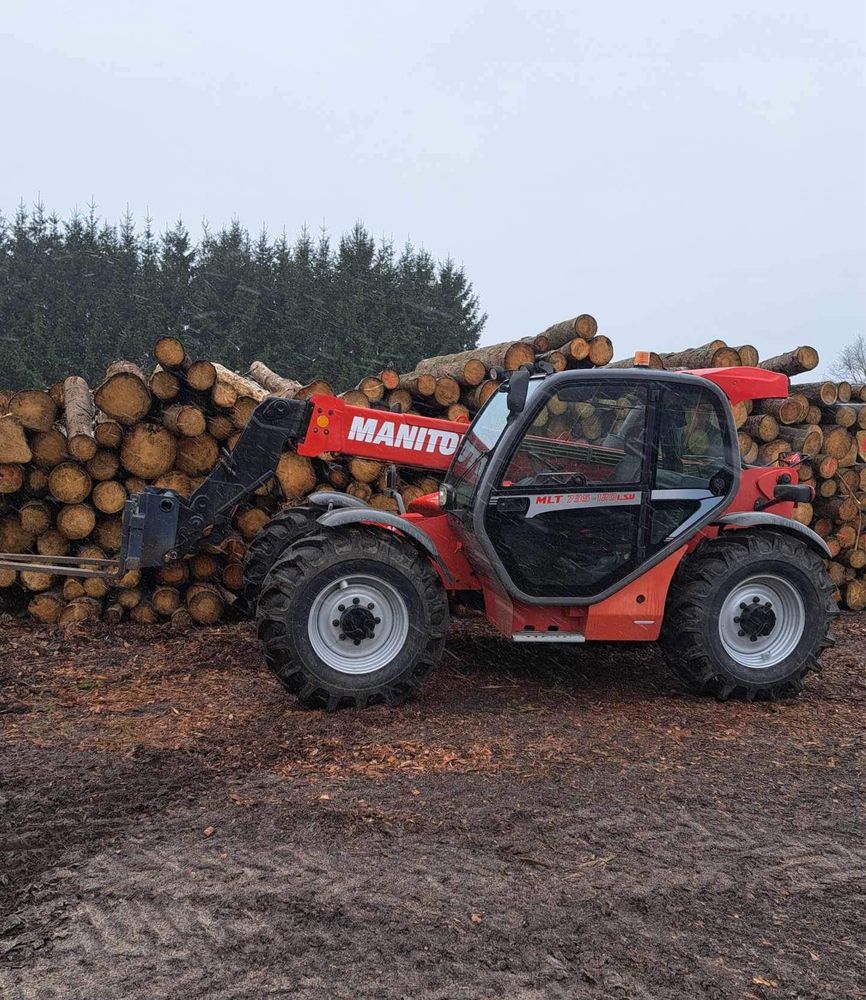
[{"x": 633, "y": 613}]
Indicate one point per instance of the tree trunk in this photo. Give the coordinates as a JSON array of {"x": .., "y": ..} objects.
[
  {"x": 148, "y": 451},
  {"x": 108, "y": 432},
  {"x": 805, "y": 438},
  {"x": 288, "y": 388},
  {"x": 125, "y": 394},
  {"x": 471, "y": 367},
  {"x": 819, "y": 393},
  {"x": 792, "y": 410},
  {"x": 447, "y": 390},
  {"x": 11, "y": 478},
  {"x": 372, "y": 387},
  {"x": 46, "y": 607},
  {"x": 196, "y": 456},
  {"x": 49, "y": 448},
  {"x": 13, "y": 441},
  {"x": 583, "y": 326},
  {"x": 171, "y": 354},
  {"x": 164, "y": 385},
  {"x": 104, "y": 465},
  {"x": 76, "y": 521},
  {"x": 78, "y": 414},
  {"x": 295, "y": 475},
  {"x": 707, "y": 356},
  {"x": 34, "y": 409},
  {"x": 237, "y": 384},
  {"x": 420, "y": 386},
  {"x": 837, "y": 441},
  {"x": 184, "y": 420},
  {"x": 556, "y": 359},
  {"x": 35, "y": 517},
  {"x": 762, "y": 426},
  {"x": 600, "y": 350},
  {"x": 796, "y": 362},
  {"x": 748, "y": 355},
  {"x": 69, "y": 482},
  {"x": 109, "y": 497},
  {"x": 204, "y": 603}
]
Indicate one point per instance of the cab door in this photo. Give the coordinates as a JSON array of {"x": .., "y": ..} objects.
[{"x": 604, "y": 476}]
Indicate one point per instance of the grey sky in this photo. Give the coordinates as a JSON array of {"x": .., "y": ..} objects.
[{"x": 682, "y": 170}]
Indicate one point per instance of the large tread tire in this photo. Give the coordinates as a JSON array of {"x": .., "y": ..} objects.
[
  {"x": 690, "y": 636},
  {"x": 269, "y": 544},
  {"x": 307, "y": 566}
]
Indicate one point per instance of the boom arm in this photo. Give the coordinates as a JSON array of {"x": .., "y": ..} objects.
[{"x": 160, "y": 526}]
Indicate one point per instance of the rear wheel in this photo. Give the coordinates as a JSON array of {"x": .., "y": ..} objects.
[
  {"x": 352, "y": 617},
  {"x": 748, "y": 615}
]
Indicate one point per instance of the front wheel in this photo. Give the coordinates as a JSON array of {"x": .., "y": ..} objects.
[
  {"x": 748, "y": 614},
  {"x": 352, "y": 617}
]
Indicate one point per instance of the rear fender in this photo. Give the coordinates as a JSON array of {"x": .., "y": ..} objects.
[
  {"x": 367, "y": 515},
  {"x": 761, "y": 519}
]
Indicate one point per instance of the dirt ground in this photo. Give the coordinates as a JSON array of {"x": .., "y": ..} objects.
[{"x": 536, "y": 824}]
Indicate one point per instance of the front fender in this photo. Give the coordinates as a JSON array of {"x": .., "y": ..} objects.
[
  {"x": 761, "y": 519},
  {"x": 367, "y": 515}
]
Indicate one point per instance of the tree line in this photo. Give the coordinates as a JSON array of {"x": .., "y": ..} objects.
[{"x": 79, "y": 293}]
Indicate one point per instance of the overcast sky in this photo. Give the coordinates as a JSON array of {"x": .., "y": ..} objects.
[{"x": 682, "y": 170}]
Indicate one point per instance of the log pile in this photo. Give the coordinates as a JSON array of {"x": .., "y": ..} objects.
[{"x": 71, "y": 455}]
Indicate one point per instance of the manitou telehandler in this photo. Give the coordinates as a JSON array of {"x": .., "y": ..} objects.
[{"x": 599, "y": 504}]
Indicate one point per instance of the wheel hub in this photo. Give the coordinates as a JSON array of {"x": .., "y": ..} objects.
[
  {"x": 756, "y": 619},
  {"x": 358, "y": 623}
]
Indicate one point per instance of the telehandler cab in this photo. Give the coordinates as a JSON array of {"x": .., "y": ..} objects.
[{"x": 599, "y": 504}]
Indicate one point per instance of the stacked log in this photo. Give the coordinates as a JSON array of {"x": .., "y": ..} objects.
[{"x": 70, "y": 457}]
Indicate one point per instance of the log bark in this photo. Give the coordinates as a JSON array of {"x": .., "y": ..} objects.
[
  {"x": 125, "y": 394},
  {"x": 171, "y": 354},
  {"x": 471, "y": 367},
  {"x": 237, "y": 384},
  {"x": 418, "y": 384},
  {"x": 707, "y": 356},
  {"x": 796, "y": 362},
  {"x": 556, "y": 359},
  {"x": 34, "y": 408},
  {"x": 792, "y": 410},
  {"x": 45, "y": 608},
  {"x": 819, "y": 393},
  {"x": 165, "y": 600},
  {"x": 78, "y": 416},
  {"x": 762, "y": 426},
  {"x": 583, "y": 326},
  {"x": 82, "y": 609},
  {"x": 805, "y": 438},
  {"x": 288, "y": 388}
]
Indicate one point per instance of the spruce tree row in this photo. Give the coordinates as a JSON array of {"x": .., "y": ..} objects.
[{"x": 76, "y": 294}]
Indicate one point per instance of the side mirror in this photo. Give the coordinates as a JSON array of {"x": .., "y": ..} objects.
[{"x": 518, "y": 386}]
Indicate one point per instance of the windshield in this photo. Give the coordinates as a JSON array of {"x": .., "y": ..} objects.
[{"x": 478, "y": 443}]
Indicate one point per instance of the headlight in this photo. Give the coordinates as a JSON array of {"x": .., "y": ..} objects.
[{"x": 444, "y": 495}]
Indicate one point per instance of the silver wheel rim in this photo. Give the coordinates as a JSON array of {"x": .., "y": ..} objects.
[
  {"x": 354, "y": 607},
  {"x": 761, "y": 622}
]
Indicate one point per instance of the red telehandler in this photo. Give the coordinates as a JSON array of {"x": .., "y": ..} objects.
[{"x": 599, "y": 504}]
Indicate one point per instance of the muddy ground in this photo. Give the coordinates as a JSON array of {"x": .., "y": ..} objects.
[{"x": 534, "y": 825}]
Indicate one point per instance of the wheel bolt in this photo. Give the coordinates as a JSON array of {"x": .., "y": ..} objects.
[
  {"x": 342, "y": 635},
  {"x": 356, "y": 600},
  {"x": 741, "y": 632},
  {"x": 370, "y": 606},
  {"x": 756, "y": 600},
  {"x": 736, "y": 621},
  {"x": 357, "y": 642},
  {"x": 335, "y": 622},
  {"x": 341, "y": 607},
  {"x": 742, "y": 606},
  {"x": 753, "y": 638},
  {"x": 377, "y": 620}
]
